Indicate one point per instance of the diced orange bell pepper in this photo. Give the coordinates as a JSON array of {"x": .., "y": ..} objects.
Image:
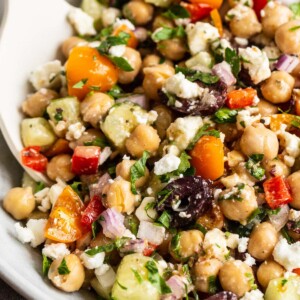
[
  {"x": 278, "y": 119},
  {"x": 208, "y": 157},
  {"x": 216, "y": 18},
  {"x": 277, "y": 192},
  {"x": 241, "y": 98},
  {"x": 64, "y": 221},
  {"x": 213, "y": 3},
  {"x": 133, "y": 41}
]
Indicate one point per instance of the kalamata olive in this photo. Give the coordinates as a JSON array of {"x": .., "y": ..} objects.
[
  {"x": 212, "y": 99},
  {"x": 186, "y": 199},
  {"x": 223, "y": 296},
  {"x": 293, "y": 226}
]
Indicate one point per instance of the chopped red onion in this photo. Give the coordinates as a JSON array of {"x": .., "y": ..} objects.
[
  {"x": 141, "y": 33},
  {"x": 134, "y": 246},
  {"x": 112, "y": 223},
  {"x": 96, "y": 188},
  {"x": 139, "y": 99},
  {"x": 287, "y": 63},
  {"x": 280, "y": 219},
  {"x": 177, "y": 285},
  {"x": 223, "y": 71}
]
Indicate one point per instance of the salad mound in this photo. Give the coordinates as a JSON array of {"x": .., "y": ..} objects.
[{"x": 171, "y": 136}]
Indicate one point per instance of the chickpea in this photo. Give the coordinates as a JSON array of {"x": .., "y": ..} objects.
[
  {"x": 287, "y": 40},
  {"x": 36, "y": 104},
  {"x": 246, "y": 24},
  {"x": 267, "y": 271},
  {"x": 118, "y": 195},
  {"x": 163, "y": 121},
  {"x": 274, "y": 16},
  {"x": 203, "y": 270},
  {"x": 275, "y": 168},
  {"x": 60, "y": 167},
  {"x": 186, "y": 244},
  {"x": 70, "y": 282},
  {"x": 266, "y": 108},
  {"x": 152, "y": 60},
  {"x": 278, "y": 88},
  {"x": 88, "y": 136},
  {"x": 212, "y": 218},
  {"x": 173, "y": 49},
  {"x": 94, "y": 107},
  {"x": 143, "y": 138},
  {"x": 19, "y": 202},
  {"x": 237, "y": 277},
  {"x": 134, "y": 59},
  {"x": 160, "y": 21},
  {"x": 139, "y": 12},
  {"x": 262, "y": 241},
  {"x": 259, "y": 140},
  {"x": 238, "y": 210},
  {"x": 293, "y": 181},
  {"x": 71, "y": 43},
  {"x": 123, "y": 170},
  {"x": 154, "y": 79}
]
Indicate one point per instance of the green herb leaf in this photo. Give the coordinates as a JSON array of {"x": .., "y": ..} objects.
[
  {"x": 294, "y": 28},
  {"x": 46, "y": 265},
  {"x": 148, "y": 206},
  {"x": 99, "y": 142},
  {"x": 201, "y": 132},
  {"x": 138, "y": 170},
  {"x": 285, "y": 234},
  {"x": 166, "y": 193},
  {"x": 194, "y": 75},
  {"x": 165, "y": 219},
  {"x": 121, "y": 63},
  {"x": 80, "y": 84},
  {"x": 225, "y": 115},
  {"x": 253, "y": 165},
  {"x": 167, "y": 33},
  {"x": 105, "y": 248},
  {"x": 176, "y": 12},
  {"x": 234, "y": 194},
  {"x": 133, "y": 224},
  {"x": 58, "y": 115},
  {"x": 39, "y": 186},
  {"x": 137, "y": 276},
  {"x": 233, "y": 59},
  {"x": 175, "y": 245},
  {"x": 95, "y": 228},
  {"x": 116, "y": 92},
  {"x": 212, "y": 284},
  {"x": 200, "y": 228},
  {"x": 77, "y": 187},
  {"x": 111, "y": 41},
  {"x": 121, "y": 286},
  {"x": 295, "y": 8},
  {"x": 63, "y": 268},
  {"x": 156, "y": 279}
]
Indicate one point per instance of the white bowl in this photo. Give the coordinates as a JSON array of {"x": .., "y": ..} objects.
[{"x": 33, "y": 31}]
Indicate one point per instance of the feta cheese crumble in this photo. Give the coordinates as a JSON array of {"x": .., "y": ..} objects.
[
  {"x": 118, "y": 50},
  {"x": 256, "y": 62},
  {"x": 123, "y": 22},
  {"x": 287, "y": 255},
  {"x": 154, "y": 234},
  {"x": 243, "y": 244},
  {"x": 166, "y": 164},
  {"x": 75, "y": 131},
  {"x": 94, "y": 261},
  {"x": 182, "y": 87},
  {"x": 253, "y": 295},
  {"x": 202, "y": 61},
  {"x": 250, "y": 261},
  {"x": 82, "y": 22},
  {"x": 200, "y": 35},
  {"x": 55, "y": 250}
]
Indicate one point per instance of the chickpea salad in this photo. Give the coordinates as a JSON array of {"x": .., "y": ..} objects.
[{"x": 171, "y": 134}]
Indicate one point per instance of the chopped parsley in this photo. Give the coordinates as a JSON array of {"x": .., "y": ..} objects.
[
  {"x": 233, "y": 59},
  {"x": 225, "y": 115},
  {"x": 58, "y": 114},
  {"x": 212, "y": 284},
  {"x": 294, "y": 28},
  {"x": 98, "y": 141},
  {"x": 116, "y": 92},
  {"x": 138, "y": 170},
  {"x": 80, "y": 84},
  {"x": 95, "y": 229},
  {"x": 121, "y": 286},
  {"x": 251, "y": 281},
  {"x": 39, "y": 186},
  {"x": 234, "y": 194},
  {"x": 107, "y": 248},
  {"x": 176, "y": 12},
  {"x": 165, "y": 219},
  {"x": 137, "y": 275},
  {"x": 121, "y": 63},
  {"x": 167, "y": 33},
  {"x": 175, "y": 245},
  {"x": 253, "y": 165},
  {"x": 46, "y": 265},
  {"x": 194, "y": 75},
  {"x": 63, "y": 268},
  {"x": 156, "y": 279},
  {"x": 165, "y": 193}
]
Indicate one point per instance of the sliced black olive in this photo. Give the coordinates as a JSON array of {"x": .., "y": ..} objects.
[{"x": 223, "y": 296}]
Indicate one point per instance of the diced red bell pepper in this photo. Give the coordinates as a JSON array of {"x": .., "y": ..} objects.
[
  {"x": 92, "y": 211},
  {"x": 241, "y": 98},
  {"x": 277, "y": 192},
  {"x": 149, "y": 249},
  {"x": 33, "y": 159},
  {"x": 197, "y": 11},
  {"x": 85, "y": 160},
  {"x": 297, "y": 271},
  {"x": 258, "y": 6}
]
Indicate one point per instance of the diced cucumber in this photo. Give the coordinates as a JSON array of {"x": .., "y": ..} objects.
[
  {"x": 160, "y": 3},
  {"x": 121, "y": 121},
  {"x": 132, "y": 280},
  {"x": 284, "y": 289},
  {"x": 93, "y": 8},
  {"x": 64, "y": 109},
  {"x": 37, "y": 132}
]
